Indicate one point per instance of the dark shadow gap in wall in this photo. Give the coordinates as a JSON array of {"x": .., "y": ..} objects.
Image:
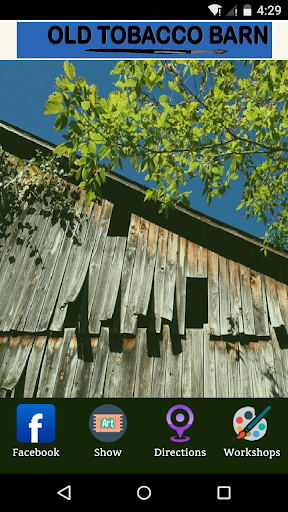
[
  {"x": 196, "y": 314},
  {"x": 120, "y": 221}
]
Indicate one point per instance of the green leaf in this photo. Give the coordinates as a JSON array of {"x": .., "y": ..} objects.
[
  {"x": 69, "y": 70},
  {"x": 102, "y": 174},
  {"x": 91, "y": 147},
  {"x": 103, "y": 151},
  {"x": 61, "y": 121},
  {"x": 163, "y": 98},
  {"x": 240, "y": 205},
  {"x": 61, "y": 149},
  {"x": 75, "y": 128},
  {"x": 53, "y": 107},
  {"x": 130, "y": 83},
  {"x": 85, "y": 105},
  {"x": 89, "y": 197}
]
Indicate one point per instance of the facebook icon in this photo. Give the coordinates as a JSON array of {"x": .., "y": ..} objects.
[{"x": 36, "y": 423}]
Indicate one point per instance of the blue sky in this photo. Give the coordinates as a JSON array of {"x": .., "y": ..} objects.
[{"x": 24, "y": 89}]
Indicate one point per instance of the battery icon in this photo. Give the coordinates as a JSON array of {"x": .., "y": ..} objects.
[{"x": 247, "y": 10}]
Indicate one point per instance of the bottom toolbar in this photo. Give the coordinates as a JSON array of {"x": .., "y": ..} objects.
[
  {"x": 124, "y": 436},
  {"x": 169, "y": 491}
]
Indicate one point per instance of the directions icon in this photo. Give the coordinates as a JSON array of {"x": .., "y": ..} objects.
[{"x": 180, "y": 423}]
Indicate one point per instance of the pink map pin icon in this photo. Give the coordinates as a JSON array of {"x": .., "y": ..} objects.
[{"x": 180, "y": 417}]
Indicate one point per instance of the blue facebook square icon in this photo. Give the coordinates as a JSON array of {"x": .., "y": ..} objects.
[{"x": 36, "y": 423}]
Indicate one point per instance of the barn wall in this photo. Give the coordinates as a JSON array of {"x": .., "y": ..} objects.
[
  {"x": 143, "y": 367},
  {"x": 49, "y": 269},
  {"x": 90, "y": 311}
]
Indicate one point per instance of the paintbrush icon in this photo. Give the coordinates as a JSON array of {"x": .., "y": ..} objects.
[
  {"x": 154, "y": 51},
  {"x": 253, "y": 423}
]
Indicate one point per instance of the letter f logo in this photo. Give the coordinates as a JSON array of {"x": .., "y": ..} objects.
[
  {"x": 33, "y": 417},
  {"x": 34, "y": 426}
]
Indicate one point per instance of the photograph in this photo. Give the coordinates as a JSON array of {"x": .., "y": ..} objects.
[{"x": 144, "y": 255}]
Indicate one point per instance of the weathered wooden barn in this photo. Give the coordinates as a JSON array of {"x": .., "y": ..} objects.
[{"x": 128, "y": 303}]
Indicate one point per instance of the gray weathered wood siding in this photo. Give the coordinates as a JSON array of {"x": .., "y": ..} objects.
[
  {"x": 132, "y": 338},
  {"x": 147, "y": 272},
  {"x": 49, "y": 367}
]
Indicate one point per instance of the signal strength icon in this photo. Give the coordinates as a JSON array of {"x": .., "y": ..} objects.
[
  {"x": 215, "y": 9},
  {"x": 233, "y": 11}
]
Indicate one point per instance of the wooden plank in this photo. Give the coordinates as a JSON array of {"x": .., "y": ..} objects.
[
  {"x": 159, "y": 367},
  {"x": 79, "y": 254},
  {"x": 52, "y": 286},
  {"x": 16, "y": 276},
  {"x": 259, "y": 304},
  {"x": 113, "y": 371},
  {"x": 67, "y": 367},
  {"x": 83, "y": 374},
  {"x": 181, "y": 284},
  {"x": 128, "y": 369},
  {"x": 4, "y": 347},
  {"x": 114, "y": 278},
  {"x": 127, "y": 270},
  {"x": 197, "y": 357},
  {"x": 247, "y": 302},
  {"x": 267, "y": 367},
  {"x": 209, "y": 362},
  {"x": 98, "y": 304},
  {"x": 235, "y": 298},
  {"x": 257, "y": 376},
  {"x": 21, "y": 226},
  {"x": 283, "y": 302},
  {"x": 144, "y": 374},
  {"x": 96, "y": 389},
  {"x": 244, "y": 367},
  {"x": 33, "y": 273},
  {"x": 221, "y": 374},
  {"x": 18, "y": 363},
  {"x": 137, "y": 279},
  {"x": 170, "y": 276},
  {"x": 233, "y": 370},
  {"x": 4, "y": 343},
  {"x": 187, "y": 366},
  {"x": 226, "y": 322},
  {"x": 97, "y": 258},
  {"x": 279, "y": 370},
  {"x": 202, "y": 269},
  {"x": 213, "y": 294},
  {"x": 10, "y": 252},
  {"x": 33, "y": 366},
  {"x": 193, "y": 361},
  {"x": 149, "y": 266},
  {"x": 50, "y": 365},
  {"x": 12, "y": 348},
  {"x": 192, "y": 259},
  {"x": 97, "y": 228},
  {"x": 159, "y": 277},
  {"x": 79, "y": 260},
  {"x": 43, "y": 277},
  {"x": 273, "y": 302},
  {"x": 173, "y": 377}
]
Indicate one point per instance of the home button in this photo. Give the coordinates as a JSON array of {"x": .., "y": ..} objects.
[{"x": 143, "y": 492}]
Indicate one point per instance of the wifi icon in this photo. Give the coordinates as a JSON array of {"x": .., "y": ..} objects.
[{"x": 215, "y": 9}]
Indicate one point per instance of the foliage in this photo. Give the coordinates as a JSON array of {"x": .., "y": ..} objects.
[
  {"x": 181, "y": 120},
  {"x": 37, "y": 180}
]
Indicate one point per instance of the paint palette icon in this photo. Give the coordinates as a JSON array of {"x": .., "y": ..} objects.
[{"x": 243, "y": 417}]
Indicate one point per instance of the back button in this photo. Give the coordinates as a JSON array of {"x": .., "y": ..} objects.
[{"x": 65, "y": 492}]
